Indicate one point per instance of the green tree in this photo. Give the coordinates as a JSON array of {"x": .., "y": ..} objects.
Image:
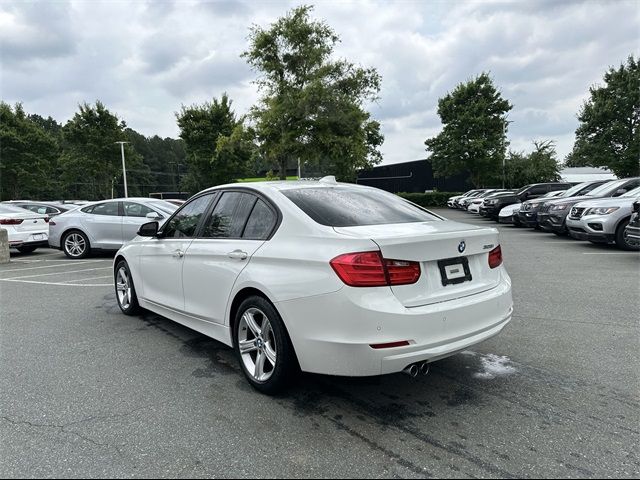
[
  {"x": 541, "y": 165},
  {"x": 28, "y": 156},
  {"x": 609, "y": 133},
  {"x": 473, "y": 137},
  {"x": 203, "y": 128},
  {"x": 91, "y": 161},
  {"x": 312, "y": 107}
]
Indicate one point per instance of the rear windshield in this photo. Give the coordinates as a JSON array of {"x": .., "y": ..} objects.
[{"x": 352, "y": 207}]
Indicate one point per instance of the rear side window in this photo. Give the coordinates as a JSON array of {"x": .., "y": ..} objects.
[
  {"x": 108, "y": 208},
  {"x": 351, "y": 207},
  {"x": 229, "y": 215},
  {"x": 260, "y": 223},
  {"x": 184, "y": 223},
  {"x": 132, "y": 209}
]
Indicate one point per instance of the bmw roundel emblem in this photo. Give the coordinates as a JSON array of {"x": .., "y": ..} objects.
[{"x": 462, "y": 246}]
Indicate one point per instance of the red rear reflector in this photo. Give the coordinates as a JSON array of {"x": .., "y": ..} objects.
[
  {"x": 46, "y": 219},
  {"x": 10, "y": 221},
  {"x": 379, "y": 346},
  {"x": 369, "y": 269},
  {"x": 495, "y": 257}
]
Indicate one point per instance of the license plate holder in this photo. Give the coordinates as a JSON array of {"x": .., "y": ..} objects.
[
  {"x": 454, "y": 271},
  {"x": 38, "y": 236}
]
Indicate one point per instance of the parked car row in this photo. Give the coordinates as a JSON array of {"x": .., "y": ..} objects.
[
  {"x": 78, "y": 229},
  {"x": 597, "y": 211}
]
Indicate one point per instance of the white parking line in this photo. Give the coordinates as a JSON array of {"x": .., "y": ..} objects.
[
  {"x": 60, "y": 283},
  {"x": 57, "y": 273},
  {"x": 612, "y": 253},
  {"x": 90, "y": 278},
  {"x": 51, "y": 266}
]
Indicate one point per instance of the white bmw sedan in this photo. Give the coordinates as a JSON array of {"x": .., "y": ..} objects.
[{"x": 328, "y": 278}]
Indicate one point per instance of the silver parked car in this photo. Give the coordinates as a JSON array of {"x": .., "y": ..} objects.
[
  {"x": 105, "y": 225},
  {"x": 604, "y": 220}
]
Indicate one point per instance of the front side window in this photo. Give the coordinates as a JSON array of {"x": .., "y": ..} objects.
[
  {"x": 132, "y": 209},
  {"x": 184, "y": 223},
  {"x": 107, "y": 208},
  {"x": 344, "y": 206},
  {"x": 229, "y": 215}
]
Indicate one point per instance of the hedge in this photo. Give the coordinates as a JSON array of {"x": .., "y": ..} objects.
[{"x": 431, "y": 199}]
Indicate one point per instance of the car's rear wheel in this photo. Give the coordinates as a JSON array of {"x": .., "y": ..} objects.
[
  {"x": 125, "y": 289},
  {"x": 27, "y": 249},
  {"x": 263, "y": 346},
  {"x": 623, "y": 240},
  {"x": 75, "y": 244}
]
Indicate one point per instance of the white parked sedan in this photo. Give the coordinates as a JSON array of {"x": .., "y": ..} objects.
[
  {"x": 330, "y": 278},
  {"x": 105, "y": 225},
  {"x": 26, "y": 230}
]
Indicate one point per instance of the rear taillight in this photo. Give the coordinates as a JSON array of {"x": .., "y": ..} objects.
[
  {"x": 495, "y": 257},
  {"x": 370, "y": 269},
  {"x": 46, "y": 219},
  {"x": 10, "y": 221}
]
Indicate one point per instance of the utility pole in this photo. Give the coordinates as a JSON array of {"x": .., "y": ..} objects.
[
  {"x": 124, "y": 169},
  {"x": 178, "y": 165},
  {"x": 504, "y": 149}
]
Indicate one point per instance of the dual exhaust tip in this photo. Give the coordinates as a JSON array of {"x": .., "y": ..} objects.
[{"x": 414, "y": 369}]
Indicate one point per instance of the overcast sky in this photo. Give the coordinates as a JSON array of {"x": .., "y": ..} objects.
[{"x": 145, "y": 59}]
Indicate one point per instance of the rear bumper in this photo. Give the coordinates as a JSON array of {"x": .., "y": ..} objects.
[
  {"x": 332, "y": 333},
  {"x": 39, "y": 244}
]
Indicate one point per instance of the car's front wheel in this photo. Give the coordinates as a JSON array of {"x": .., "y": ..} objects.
[
  {"x": 75, "y": 244},
  {"x": 263, "y": 346},
  {"x": 125, "y": 289}
]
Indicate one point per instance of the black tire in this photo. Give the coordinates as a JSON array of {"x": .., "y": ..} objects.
[
  {"x": 621, "y": 238},
  {"x": 125, "y": 289},
  {"x": 27, "y": 249},
  {"x": 286, "y": 364},
  {"x": 82, "y": 241}
]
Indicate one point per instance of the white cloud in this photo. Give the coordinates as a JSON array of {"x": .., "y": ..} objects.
[{"x": 145, "y": 59}]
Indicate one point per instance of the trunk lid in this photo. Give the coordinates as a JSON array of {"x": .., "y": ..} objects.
[
  {"x": 431, "y": 243},
  {"x": 31, "y": 222}
]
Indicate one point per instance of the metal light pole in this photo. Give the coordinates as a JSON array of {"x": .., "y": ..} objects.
[
  {"x": 124, "y": 169},
  {"x": 504, "y": 146}
]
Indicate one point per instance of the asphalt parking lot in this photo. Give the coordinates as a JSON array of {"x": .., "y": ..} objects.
[{"x": 86, "y": 391}]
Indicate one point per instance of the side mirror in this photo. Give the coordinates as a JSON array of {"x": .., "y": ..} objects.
[
  {"x": 149, "y": 229},
  {"x": 153, "y": 216}
]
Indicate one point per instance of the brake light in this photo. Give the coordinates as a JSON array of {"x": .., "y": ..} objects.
[
  {"x": 495, "y": 257},
  {"x": 370, "y": 269},
  {"x": 10, "y": 221},
  {"x": 46, "y": 219}
]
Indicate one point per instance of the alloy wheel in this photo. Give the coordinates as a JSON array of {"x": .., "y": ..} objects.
[
  {"x": 123, "y": 288},
  {"x": 75, "y": 244},
  {"x": 257, "y": 344}
]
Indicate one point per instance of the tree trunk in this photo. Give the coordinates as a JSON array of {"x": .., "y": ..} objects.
[{"x": 283, "y": 169}]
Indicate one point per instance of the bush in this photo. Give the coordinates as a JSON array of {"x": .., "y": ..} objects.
[{"x": 431, "y": 199}]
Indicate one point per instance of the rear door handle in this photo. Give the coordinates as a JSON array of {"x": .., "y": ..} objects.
[
  {"x": 178, "y": 254},
  {"x": 238, "y": 255}
]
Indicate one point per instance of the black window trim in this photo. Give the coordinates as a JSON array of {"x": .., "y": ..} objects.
[
  {"x": 250, "y": 191},
  {"x": 214, "y": 199}
]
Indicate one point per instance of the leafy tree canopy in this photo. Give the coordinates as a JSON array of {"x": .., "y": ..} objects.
[
  {"x": 539, "y": 166},
  {"x": 312, "y": 107},
  {"x": 473, "y": 137},
  {"x": 609, "y": 133}
]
